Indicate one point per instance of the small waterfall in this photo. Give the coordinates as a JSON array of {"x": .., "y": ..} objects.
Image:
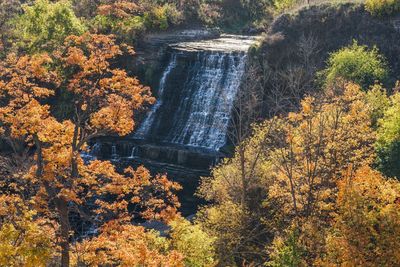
[
  {"x": 133, "y": 152},
  {"x": 148, "y": 121},
  {"x": 114, "y": 155},
  {"x": 92, "y": 153}
]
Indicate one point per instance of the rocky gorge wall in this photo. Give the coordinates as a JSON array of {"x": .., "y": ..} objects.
[
  {"x": 298, "y": 44},
  {"x": 195, "y": 85}
]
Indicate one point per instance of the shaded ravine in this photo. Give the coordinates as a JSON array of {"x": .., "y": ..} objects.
[{"x": 183, "y": 132}]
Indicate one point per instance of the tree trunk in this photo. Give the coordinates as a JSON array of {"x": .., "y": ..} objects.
[
  {"x": 243, "y": 176},
  {"x": 62, "y": 208}
]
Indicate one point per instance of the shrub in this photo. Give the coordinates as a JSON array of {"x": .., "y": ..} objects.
[
  {"x": 358, "y": 64},
  {"x": 283, "y": 5},
  {"x": 126, "y": 29},
  {"x": 382, "y": 7},
  {"x": 156, "y": 18},
  {"x": 286, "y": 251}
]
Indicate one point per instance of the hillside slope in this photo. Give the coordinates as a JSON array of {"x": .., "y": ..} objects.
[{"x": 299, "y": 44}]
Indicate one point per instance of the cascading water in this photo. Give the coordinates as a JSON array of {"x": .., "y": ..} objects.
[
  {"x": 148, "y": 121},
  {"x": 203, "y": 121},
  {"x": 196, "y": 93},
  {"x": 92, "y": 153},
  {"x": 133, "y": 152},
  {"x": 114, "y": 154}
]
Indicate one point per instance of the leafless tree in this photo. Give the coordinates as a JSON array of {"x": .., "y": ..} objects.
[{"x": 286, "y": 86}]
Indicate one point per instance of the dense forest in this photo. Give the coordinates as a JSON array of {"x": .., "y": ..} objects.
[{"x": 300, "y": 133}]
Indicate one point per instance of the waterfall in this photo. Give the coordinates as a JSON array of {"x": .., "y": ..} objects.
[
  {"x": 133, "y": 153},
  {"x": 208, "y": 101},
  {"x": 92, "y": 153},
  {"x": 114, "y": 155},
  {"x": 148, "y": 121},
  {"x": 196, "y": 94}
]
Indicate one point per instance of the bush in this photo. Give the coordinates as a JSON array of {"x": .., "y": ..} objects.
[
  {"x": 126, "y": 29},
  {"x": 382, "y": 7},
  {"x": 283, "y": 5},
  {"x": 358, "y": 64},
  {"x": 161, "y": 17},
  {"x": 286, "y": 251}
]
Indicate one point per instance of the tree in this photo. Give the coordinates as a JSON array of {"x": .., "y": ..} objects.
[
  {"x": 104, "y": 101},
  {"x": 25, "y": 238},
  {"x": 123, "y": 18},
  {"x": 292, "y": 164},
  {"x": 126, "y": 245},
  {"x": 312, "y": 147},
  {"x": 44, "y": 25},
  {"x": 358, "y": 64},
  {"x": 366, "y": 231},
  {"x": 192, "y": 242},
  {"x": 8, "y": 10},
  {"x": 383, "y": 7},
  {"x": 388, "y": 137}
]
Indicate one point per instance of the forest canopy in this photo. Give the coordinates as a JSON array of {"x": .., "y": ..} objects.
[{"x": 309, "y": 175}]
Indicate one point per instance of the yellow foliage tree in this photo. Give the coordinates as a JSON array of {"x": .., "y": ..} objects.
[
  {"x": 289, "y": 173},
  {"x": 25, "y": 239},
  {"x": 366, "y": 231}
]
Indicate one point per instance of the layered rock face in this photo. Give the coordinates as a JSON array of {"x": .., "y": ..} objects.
[{"x": 196, "y": 91}]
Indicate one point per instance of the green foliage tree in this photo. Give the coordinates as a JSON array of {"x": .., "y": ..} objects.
[
  {"x": 8, "y": 10},
  {"x": 388, "y": 139},
  {"x": 378, "y": 101},
  {"x": 44, "y": 25},
  {"x": 129, "y": 20},
  {"x": 356, "y": 63},
  {"x": 191, "y": 241}
]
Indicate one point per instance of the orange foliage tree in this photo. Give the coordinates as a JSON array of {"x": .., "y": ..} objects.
[
  {"x": 119, "y": 9},
  {"x": 103, "y": 100},
  {"x": 366, "y": 231}
]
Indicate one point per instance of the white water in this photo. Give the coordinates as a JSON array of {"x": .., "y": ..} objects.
[
  {"x": 114, "y": 154},
  {"x": 214, "y": 84},
  {"x": 133, "y": 153},
  {"x": 199, "y": 95},
  {"x": 149, "y": 120}
]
